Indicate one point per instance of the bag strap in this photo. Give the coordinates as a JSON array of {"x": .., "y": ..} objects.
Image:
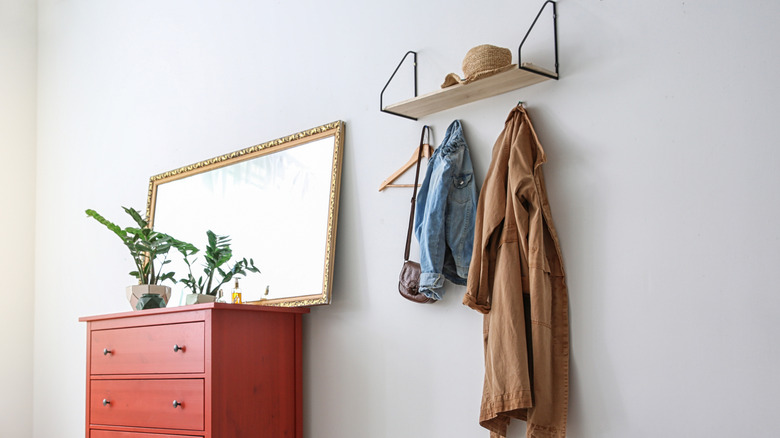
[{"x": 425, "y": 129}]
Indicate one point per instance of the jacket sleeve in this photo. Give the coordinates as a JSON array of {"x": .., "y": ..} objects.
[
  {"x": 479, "y": 286},
  {"x": 487, "y": 230}
]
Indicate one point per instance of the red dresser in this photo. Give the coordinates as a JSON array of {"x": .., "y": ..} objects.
[{"x": 202, "y": 371}]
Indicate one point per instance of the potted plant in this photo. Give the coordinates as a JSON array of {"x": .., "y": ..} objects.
[
  {"x": 217, "y": 256},
  {"x": 149, "y": 250}
]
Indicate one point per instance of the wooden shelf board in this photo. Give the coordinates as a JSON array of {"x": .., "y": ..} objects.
[{"x": 462, "y": 94}]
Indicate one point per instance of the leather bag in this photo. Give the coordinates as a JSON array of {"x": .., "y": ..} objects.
[{"x": 409, "y": 279}]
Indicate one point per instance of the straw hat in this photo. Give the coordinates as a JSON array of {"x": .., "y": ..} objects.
[{"x": 481, "y": 62}]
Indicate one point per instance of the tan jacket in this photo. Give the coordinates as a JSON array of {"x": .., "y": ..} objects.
[{"x": 516, "y": 279}]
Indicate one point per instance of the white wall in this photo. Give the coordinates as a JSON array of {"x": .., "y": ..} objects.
[
  {"x": 17, "y": 219},
  {"x": 662, "y": 176}
]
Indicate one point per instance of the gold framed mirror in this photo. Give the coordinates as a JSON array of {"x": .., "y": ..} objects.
[{"x": 278, "y": 201}]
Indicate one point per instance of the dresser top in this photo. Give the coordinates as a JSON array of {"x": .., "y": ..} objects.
[{"x": 196, "y": 307}]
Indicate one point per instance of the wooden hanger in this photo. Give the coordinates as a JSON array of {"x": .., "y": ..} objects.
[{"x": 426, "y": 152}]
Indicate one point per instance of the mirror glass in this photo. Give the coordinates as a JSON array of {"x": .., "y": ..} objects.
[{"x": 278, "y": 202}]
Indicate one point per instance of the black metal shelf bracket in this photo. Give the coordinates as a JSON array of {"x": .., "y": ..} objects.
[
  {"x": 381, "y": 95},
  {"x": 555, "y": 39}
]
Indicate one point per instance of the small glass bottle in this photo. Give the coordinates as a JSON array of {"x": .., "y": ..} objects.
[
  {"x": 221, "y": 298},
  {"x": 237, "y": 294}
]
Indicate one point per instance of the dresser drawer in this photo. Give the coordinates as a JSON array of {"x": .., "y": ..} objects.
[
  {"x": 148, "y": 403},
  {"x": 172, "y": 348},
  {"x": 114, "y": 434}
]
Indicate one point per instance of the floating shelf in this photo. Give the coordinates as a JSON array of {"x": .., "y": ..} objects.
[{"x": 461, "y": 94}]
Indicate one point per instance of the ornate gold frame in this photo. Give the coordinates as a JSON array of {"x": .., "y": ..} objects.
[{"x": 335, "y": 129}]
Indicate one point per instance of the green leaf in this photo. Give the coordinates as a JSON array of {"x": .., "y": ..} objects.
[
  {"x": 136, "y": 217},
  {"x": 107, "y": 223},
  {"x": 135, "y": 231}
]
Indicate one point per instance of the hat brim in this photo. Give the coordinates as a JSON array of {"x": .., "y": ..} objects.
[
  {"x": 486, "y": 73},
  {"x": 451, "y": 79}
]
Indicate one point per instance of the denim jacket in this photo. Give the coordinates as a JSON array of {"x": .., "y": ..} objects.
[{"x": 445, "y": 215}]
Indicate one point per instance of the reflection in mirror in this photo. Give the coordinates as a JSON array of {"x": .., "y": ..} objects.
[{"x": 278, "y": 202}]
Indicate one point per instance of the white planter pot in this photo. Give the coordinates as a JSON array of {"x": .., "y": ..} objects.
[
  {"x": 134, "y": 293},
  {"x": 199, "y": 298}
]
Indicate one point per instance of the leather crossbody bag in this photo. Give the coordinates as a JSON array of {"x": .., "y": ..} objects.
[{"x": 409, "y": 279}]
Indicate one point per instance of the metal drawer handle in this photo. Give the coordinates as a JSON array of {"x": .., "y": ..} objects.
[
  {"x": 176, "y": 404},
  {"x": 106, "y": 352},
  {"x": 176, "y": 348},
  {"x": 106, "y": 402}
]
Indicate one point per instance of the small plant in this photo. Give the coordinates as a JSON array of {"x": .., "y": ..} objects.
[
  {"x": 145, "y": 245},
  {"x": 217, "y": 255}
]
